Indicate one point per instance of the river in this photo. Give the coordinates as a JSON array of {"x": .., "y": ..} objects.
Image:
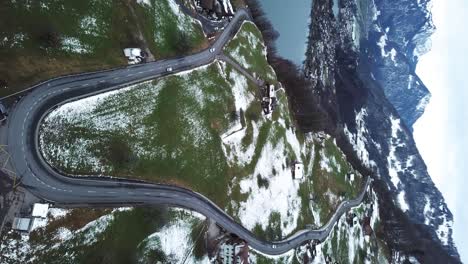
[{"x": 290, "y": 19}]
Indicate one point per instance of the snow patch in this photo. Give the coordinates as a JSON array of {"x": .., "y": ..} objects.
[
  {"x": 393, "y": 164},
  {"x": 281, "y": 195},
  {"x": 382, "y": 43},
  {"x": 359, "y": 140},
  {"x": 174, "y": 239},
  {"x": 228, "y": 7},
  {"x": 74, "y": 45},
  {"x": 410, "y": 81},
  {"x": 144, "y": 2},
  {"x": 444, "y": 230},
  {"x": 428, "y": 211},
  {"x": 57, "y": 213},
  {"x": 423, "y": 103},
  {"x": 402, "y": 201},
  {"x": 89, "y": 26}
]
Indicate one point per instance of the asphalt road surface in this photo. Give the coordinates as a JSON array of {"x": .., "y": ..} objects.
[{"x": 50, "y": 185}]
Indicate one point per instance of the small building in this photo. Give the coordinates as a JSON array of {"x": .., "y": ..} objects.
[
  {"x": 40, "y": 210},
  {"x": 270, "y": 89},
  {"x": 268, "y": 99},
  {"x": 134, "y": 55},
  {"x": 350, "y": 177},
  {"x": 22, "y": 224},
  {"x": 234, "y": 251},
  {"x": 298, "y": 170}
]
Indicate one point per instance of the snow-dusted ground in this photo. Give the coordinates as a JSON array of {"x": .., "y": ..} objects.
[
  {"x": 252, "y": 41},
  {"x": 444, "y": 230},
  {"x": 74, "y": 45},
  {"x": 85, "y": 112},
  {"x": 351, "y": 239},
  {"x": 245, "y": 51},
  {"x": 114, "y": 111},
  {"x": 281, "y": 195},
  {"x": 175, "y": 240},
  {"x": 359, "y": 140},
  {"x": 184, "y": 22}
]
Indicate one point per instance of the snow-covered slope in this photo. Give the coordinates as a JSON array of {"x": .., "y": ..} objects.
[{"x": 370, "y": 77}]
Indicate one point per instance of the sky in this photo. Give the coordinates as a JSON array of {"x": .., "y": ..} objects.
[{"x": 441, "y": 134}]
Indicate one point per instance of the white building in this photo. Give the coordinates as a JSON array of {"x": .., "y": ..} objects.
[
  {"x": 298, "y": 170},
  {"x": 134, "y": 55},
  {"x": 40, "y": 210},
  {"x": 350, "y": 177},
  {"x": 269, "y": 99},
  {"x": 233, "y": 252},
  {"x": 271, "y": 91},
  {"x": 21, "y": 224}
]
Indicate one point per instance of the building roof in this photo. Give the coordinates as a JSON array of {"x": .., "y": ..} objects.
[
  {"x": 136, "y": 52},
  {"x": 40, "y": 210},
  {"x": 128, "y": 52},
  {"x": 271, "y": 91},
  {"x": 21, "y": 224},
  {"x": 132, "y": 52},
  {"x": 298, "y": 170}
]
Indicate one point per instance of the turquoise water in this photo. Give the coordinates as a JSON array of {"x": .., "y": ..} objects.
[
  {"x": 336, "y": 8},
  {"x": 290, "y": 19}
]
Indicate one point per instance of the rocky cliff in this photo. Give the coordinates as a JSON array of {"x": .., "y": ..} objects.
[
  {"x": 401, "y": 31},
  {"x": 367, "y": 82}
]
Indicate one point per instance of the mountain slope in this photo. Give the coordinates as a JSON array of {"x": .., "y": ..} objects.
[
  {"x": 401, "y": 31},
  {"x": 367, "y": 80}
]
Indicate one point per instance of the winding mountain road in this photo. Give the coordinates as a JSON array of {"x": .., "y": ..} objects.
[{"x": 48, "y": 184}]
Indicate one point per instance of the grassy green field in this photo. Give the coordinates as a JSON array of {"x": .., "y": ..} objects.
[
  {"x": 164, "y": 131},
  {"x": 47, "y": 38}
]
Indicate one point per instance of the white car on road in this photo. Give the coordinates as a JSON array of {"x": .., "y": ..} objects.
[
  {"x": 169, "y": 69},
  {"x": 212, "y": 50}
]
